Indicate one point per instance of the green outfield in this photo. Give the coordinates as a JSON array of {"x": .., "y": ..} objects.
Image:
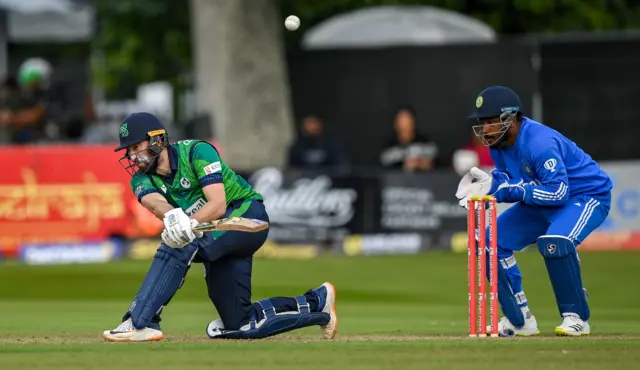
[{"x": 407, "y": 312}]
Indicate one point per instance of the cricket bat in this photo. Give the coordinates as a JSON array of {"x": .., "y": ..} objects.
[{"x": 243, "y": 224}]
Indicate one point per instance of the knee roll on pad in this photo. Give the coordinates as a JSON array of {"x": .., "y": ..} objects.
[
  {"x": 166, "y": 275},
  {"x": 563, "y": 267},
  {"x": 506, "y": 297},
  {"x": 272, "y": 323}
]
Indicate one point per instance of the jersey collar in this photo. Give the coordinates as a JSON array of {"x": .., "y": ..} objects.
[
  {"x": 173, "y": 164},
  {"x": 173, "y": 159},
  {"x": 524, "y": 126}
]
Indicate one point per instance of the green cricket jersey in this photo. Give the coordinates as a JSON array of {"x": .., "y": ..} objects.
[{"x": 194, "y": 165}]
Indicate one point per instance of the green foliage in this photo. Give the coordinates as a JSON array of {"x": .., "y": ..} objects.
[{"x": 141, "y": 41}]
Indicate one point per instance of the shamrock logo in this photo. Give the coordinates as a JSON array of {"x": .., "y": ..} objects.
[{"x": 124, "y": 130}]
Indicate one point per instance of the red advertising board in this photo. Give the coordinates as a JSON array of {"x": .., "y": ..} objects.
[{"x": 68, "y": 193}]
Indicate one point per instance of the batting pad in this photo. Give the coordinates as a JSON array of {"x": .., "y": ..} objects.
[
  {"x": 563, "y": 267},
  {"x": 508, "y": 303},
  {"x": 272, "y": 323},
  {"x": 165, "y": 276}
]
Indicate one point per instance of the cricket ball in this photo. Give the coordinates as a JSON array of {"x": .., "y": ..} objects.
[{"x": 292, "y": 23}]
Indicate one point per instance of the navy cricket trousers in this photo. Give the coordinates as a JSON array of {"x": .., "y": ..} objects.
[{"x": 228, "y": 260}]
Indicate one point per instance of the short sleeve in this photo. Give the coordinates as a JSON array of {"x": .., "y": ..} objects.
[
  {"x": 207, "y": 164},
  {"x": 141, "y": 186}
]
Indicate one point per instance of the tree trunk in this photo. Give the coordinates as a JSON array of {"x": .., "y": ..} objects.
[{"x": 242, "y": 80}]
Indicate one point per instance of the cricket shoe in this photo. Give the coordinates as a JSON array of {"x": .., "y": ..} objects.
[
  {"x": 327, "y": 303},
  {"x": 507, "y": 329},
  {"x": 125, "y": 332},
  {"x": 573, "y": 326}
]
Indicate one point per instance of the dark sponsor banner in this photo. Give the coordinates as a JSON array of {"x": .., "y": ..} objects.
[
  {"x": 423, "y": 203},
  {"x": 328, "y": 207},
  {"x": 307, "y": 207}
]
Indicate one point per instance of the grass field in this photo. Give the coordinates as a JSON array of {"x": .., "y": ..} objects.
[{"x": 405, "y": 312}]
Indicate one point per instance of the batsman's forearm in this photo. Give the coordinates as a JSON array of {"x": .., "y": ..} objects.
[
  {"x": 158, "y": 207},
  {"x": 210, "y": 211}
]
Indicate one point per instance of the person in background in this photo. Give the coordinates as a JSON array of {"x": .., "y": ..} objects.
[
  {"x": 23, "y": 113},
  {"x": 9, "y": 92},
  {"x": 484, "y": 156},
  {"x": 313, "y": 148},
  {"x": 409, "y": 149},
  {"x": 474, "y": 154}
]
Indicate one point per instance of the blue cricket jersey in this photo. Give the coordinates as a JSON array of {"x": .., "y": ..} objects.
[{"x": 553, "y": 168}]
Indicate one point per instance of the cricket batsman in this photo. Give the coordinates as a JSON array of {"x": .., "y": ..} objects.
[
  {"x": 184, "y": 184},
  {"x": 561, "y": 195}
]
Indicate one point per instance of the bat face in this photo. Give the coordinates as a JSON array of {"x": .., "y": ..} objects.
[{"x": 234, "y": 224}]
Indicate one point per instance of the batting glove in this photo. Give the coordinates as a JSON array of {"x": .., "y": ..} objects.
[
  {"x": 169, "y": 241},
  {"x": 178, "y": 227},
  {"x": 195, "y": 223}
]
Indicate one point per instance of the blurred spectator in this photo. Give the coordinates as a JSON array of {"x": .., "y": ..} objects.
[
  {"x": 9, "y": 91},
  {"x": 313, "y": 149},
  {"x": 24, "y": 105},
  {"x": 484, "y": 157},
  {"x": 409, "y": 149},
  {"x": 473, "y": 154}
]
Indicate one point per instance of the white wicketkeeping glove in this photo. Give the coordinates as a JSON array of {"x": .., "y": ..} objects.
[
  {"x": 178, "y": 227},
  {"x": 475, "y": 183}
]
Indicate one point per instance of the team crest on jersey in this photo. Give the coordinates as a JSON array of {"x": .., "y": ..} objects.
[
  {"x": 185, "y": 183},
  {"x": 550, "y": 164},
  {"x": 526, "y": 168},
  {"x": 163, "y": 188}
]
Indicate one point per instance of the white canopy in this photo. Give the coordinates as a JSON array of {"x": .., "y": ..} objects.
[
  {"x": 396, "y": 26},
  {"x": 48, "y": 20},
  {"x": 36, "y": 6}
]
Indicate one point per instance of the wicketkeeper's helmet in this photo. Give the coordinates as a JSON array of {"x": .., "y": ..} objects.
[{"x": 496, "y": 100}]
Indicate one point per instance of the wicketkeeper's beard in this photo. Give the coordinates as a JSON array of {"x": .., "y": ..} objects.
[
  {"x": 496, "y": 140},
  {"x": 501, "y": 142}
]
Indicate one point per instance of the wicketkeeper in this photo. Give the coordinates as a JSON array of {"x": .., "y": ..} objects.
[
  {"x": 184, "y": 184},
  {"x": 561, "y": 195}
]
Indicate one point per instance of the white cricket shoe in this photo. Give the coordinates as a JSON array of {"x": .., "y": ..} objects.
[
  {"x": 327, "y": 294},
  {"x": 573, "y": 326},
  {"x": 506, "y": 328},
  {"x": 125, "y": 332}
]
